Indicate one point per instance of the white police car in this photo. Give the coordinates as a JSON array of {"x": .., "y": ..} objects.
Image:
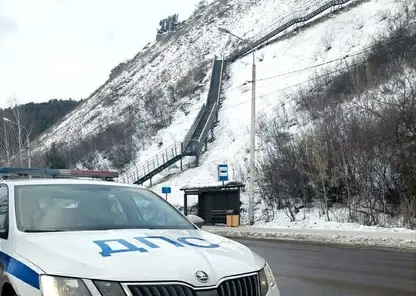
[{"x": 74, "y": 237}]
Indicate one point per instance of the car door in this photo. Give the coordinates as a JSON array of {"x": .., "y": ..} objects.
[{"x": 4, "y": 225}]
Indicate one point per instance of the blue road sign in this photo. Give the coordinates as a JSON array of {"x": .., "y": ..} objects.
[
  {"x": 222, "y": 172},
  {"x": 166, "y": 190}
]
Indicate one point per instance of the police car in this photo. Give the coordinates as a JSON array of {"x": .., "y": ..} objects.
[{"x": 76, "y": 233}]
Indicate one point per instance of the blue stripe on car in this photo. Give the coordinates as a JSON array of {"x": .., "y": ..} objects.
[{"x": 20, "y": 270}]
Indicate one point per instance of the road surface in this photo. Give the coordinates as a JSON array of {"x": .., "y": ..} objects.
[{"x": 316, "y": 270}]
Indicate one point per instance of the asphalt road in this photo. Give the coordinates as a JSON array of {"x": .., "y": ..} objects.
[{"x": 315, "y": 270}]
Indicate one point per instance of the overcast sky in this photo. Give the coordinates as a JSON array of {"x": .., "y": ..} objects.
[{"x": 67, "y": 48}]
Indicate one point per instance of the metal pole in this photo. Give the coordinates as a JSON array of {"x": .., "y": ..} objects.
[
  {"x": 252, "y": 168},
  {"x": 252, "y": 143},
  {"x": 6, "y": 140}
]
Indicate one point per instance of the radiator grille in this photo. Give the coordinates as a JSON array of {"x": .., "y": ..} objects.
[
  {"x": 243, "y": 286},
  {"x": 161, "y": 290}
]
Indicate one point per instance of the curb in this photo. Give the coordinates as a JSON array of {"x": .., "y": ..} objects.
[{"x": 390, "y": 244}]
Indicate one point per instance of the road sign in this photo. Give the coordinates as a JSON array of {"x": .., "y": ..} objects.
[
  {"x": 222, "y": 172},
  {"x": 166, "y": 190}
]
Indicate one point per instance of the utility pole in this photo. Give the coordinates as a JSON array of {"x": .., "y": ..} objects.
[
  {"x": 252, "y": 142},
  {"x": 252, "y": 168}
]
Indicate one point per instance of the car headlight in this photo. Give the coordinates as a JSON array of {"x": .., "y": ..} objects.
[
  {"x": 109, "y": 288},
  {"x": 61, "y": 286},
  {"x": 267, "y": 279}
]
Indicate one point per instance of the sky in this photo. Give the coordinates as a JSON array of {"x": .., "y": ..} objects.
[{"x": 61, "y": 49}]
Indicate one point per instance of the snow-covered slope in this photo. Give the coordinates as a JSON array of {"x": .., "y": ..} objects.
[
  {"x": 163, "y": 63},
  {"x": 345, "y": 33}
]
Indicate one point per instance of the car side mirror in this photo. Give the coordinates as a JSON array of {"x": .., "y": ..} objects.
[{"x": 198, "y": 221}]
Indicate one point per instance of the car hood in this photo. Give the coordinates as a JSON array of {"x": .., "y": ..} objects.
[{"x": 138, "y": 255}]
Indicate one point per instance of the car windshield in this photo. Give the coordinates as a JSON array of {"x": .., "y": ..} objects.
[{"x": 82, "y": 207}]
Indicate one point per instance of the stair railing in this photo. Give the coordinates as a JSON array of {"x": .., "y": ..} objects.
[
  {"x": 286, "y": 23},
  {"x": 153, "y": 163},
  {"x": 193, "y": 127}
]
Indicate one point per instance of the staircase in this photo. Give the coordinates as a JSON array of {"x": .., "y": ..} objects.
[
  {"x": 290, "y": 22},
  {"x": 194, "y": 141},
  {"x": 207, "y": 118},
  {"x": 209, "y": 115}
]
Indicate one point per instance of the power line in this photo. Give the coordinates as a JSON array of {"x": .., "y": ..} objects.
[
  {"x": 365, "y": 50},
  {"x": 313, "y": 78},
  {"x": 282, "y": 89}
]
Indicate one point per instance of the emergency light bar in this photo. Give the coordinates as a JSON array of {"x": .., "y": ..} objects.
[{"x": 7, "y": 171}]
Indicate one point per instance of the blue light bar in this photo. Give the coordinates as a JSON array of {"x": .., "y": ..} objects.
[{"x": 7, "y": 171}]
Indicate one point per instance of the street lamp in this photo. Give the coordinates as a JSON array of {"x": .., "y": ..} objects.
[
  {"x": 19, "y": 127},
  {"x": 252, "y": 129}
]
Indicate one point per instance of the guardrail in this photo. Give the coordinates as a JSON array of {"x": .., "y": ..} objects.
[{"x": 153, "y": 163}]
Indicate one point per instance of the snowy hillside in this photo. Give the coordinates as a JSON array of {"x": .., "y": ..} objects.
[
  {"x": 346, "y": 33},
  {"x": 151, "y": 101},
  {"x": 179, "y": 61}
]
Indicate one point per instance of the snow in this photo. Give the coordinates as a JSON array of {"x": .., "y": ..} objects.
[
  {"x": 312, "y": 226},
  {"x": 231, "y": 143},
  {"x": 232, "y": 134},
  {"x": 162, "y": 63},
  {"x": 384, "y": 238},
  {"x": 345, "y": 33}
]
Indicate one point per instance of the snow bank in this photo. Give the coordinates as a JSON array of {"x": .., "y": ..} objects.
[{"x": 404, "y": 240}]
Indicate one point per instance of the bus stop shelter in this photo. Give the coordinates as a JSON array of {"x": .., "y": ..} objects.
[{"x": 215, "y": 202}]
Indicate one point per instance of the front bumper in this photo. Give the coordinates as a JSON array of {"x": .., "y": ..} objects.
[{"x": 274, "y": 291}]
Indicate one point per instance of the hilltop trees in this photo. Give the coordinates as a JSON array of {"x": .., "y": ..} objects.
[{"x": 168, "y": 24}]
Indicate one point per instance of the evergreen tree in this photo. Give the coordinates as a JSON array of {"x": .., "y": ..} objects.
[
  {"x": 168, "y": 24},
  {"x": 54, "y": 159},
  {"x": 202, "y": 4}
]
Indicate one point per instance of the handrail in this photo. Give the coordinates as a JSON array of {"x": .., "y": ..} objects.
[
  {"x": 177, "y": 149},
  {"x": 204, "y": 132},
  {"x": 193, "y": 127},
  {"x": 220, "y": 83},
  {"x": 156, "y": 161},
  {"x": 290, "y": 22}
]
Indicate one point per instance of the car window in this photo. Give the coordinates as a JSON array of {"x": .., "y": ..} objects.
[
  {"x": 62, "y": 207},
  {"x": 4, "y": 206},
  {"x": 152, "y": 213}
]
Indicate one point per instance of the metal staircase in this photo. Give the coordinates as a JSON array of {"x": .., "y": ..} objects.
[
  {"x": 195, "y": 139},
  {"x": 198, "y": 135},
  {"x": 290, "y": 22},
  {"x": 209, "y": 116}
]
